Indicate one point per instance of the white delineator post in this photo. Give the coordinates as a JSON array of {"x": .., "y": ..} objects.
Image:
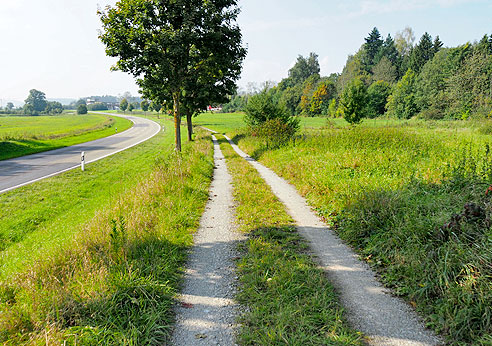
[{"x": 82, "y": 161}]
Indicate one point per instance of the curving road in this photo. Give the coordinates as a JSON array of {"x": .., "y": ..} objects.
[{"x": 28, "y": 169}]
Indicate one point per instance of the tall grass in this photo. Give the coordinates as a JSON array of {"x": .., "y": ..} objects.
[
  {"x": 411, "y": 200},
  {"x": 114, "y": 283},
  {"x": 287, "y": 298}
]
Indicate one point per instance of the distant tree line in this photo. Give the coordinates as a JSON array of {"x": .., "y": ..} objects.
[{"x": 391, "y": 76}]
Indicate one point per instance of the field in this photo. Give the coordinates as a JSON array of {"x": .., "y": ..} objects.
[
  {"x": 23, "y": 135},
  {"x": 410, "y": 197},
  {"x": 84, "y": 261}
]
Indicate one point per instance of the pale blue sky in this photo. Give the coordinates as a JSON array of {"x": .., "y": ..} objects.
[{"x": 52, "y": 45}]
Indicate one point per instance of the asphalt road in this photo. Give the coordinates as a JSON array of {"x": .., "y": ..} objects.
[{"x": 28, "y": 169}]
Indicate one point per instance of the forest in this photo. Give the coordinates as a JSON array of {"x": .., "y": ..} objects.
[{"x": 393, "y": 77}]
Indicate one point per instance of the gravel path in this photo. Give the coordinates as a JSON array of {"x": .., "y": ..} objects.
[
  {"x": 383, "y": 318},
  {"x": 206, "y": 312}
]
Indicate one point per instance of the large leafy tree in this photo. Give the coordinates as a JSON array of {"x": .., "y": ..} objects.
[
  {"x": 36, "y": 101},
  {"x": 168, "y": 45}
]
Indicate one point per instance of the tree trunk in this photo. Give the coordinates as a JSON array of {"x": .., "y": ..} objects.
[
  {"x": 190, "y": 126},
  {"x": 177, "y": 121}
]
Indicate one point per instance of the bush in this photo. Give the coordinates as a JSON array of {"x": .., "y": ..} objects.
[
  {"x": 262, "y": 107},
  {"x": 353, "y": 102},
  {"x": 275, "y": 133},
  {"x": 82, "y": 109}
]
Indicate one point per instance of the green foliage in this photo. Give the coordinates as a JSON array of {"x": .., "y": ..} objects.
[
  {"x": 144, "y": 105},
  {"x": 181, "y": 52},
  {"x": 82, "y": 109},
  {"x": 36, "y": 102},
  {"x": 402, "y": 103},
  {"x": 423, "y": 52},
  {"x": 262, "y": 107},
  {"x": 353, "y": 102},
  {"x": 302, "y": 70},
  {"x": 371, "y": 49},
  {"x": 124, "y": 105},
  {"x": 377, "y": 96},
  {"x": 53, "y": 108},
  {"x": 98, "y": 106},
  {"x": 131, "y": 107}
]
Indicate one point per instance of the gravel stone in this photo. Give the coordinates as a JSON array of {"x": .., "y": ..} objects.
[{"x": 206, "y": 311}]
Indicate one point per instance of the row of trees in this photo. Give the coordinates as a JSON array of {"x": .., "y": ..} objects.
[
  {"x": 394, "y": 77},
  {"x": 36, "y": 104}
]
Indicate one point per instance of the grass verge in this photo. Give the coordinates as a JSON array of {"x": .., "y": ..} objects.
[
  {"x": 114, "y": 282},
  {"x": 288, "y": 298},
  {"x": 24, "y": 135},
  {"x": 411, "y": 200}
]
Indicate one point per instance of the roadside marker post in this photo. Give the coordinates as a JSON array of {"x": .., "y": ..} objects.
[{"x": 82, "y": 161}]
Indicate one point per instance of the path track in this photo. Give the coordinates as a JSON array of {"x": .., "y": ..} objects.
[
  {"x": 383, "y": 318},
  {"x": 206, "y": 312}
]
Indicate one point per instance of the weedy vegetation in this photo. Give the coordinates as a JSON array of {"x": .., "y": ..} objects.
[
  {"x": 414, "y": 199},
  {"x": 113, "y": 281},
  {"x": 287, "y": 298}
]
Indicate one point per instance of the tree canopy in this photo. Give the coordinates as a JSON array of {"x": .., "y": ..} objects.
[{"x": 175, "y": 47}]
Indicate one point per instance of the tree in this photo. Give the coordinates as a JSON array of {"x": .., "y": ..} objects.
[
  {"x": 423, "y": 52},
  {"x": 124, "y": 105},
  {"x": 144, "y": 105},
  {"x": 401, "y": 103},
  {"x": 372, "y": 49},
  {"x": 320, "y": 100},
  {"x": 303, "y": 69},
  {"x": 437, "y": 45},
  {"x": 131, "y": 107},
  {"x": 167, "y": 45},
  {"x": 404, "y": 41},
  {"x": 37, "y": 99},
  {"x": 384, "y": 70},
  {"x": 54, "y": 108},
  {"x": 352, "y": 105},
  {"x": 81, "y": 109},
  {"x": 9, "y": 106},
  {"x": 262, "y": 108},
  {"x": 377, "y": 95}
]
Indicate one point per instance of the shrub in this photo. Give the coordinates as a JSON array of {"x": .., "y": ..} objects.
[
  {"x": 269, "y": 118},
  {"x": 353, "y": 102},
  {"x": 82, "y": 109},
  {"x": 275, "y": 133}
]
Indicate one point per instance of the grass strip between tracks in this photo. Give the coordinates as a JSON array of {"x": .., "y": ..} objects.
[
  {"x": 287, "y": 298},
  {"x": 114, "y": 283}
]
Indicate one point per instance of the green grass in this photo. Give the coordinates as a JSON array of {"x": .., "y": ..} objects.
[
  {"x": 288, "y": 298},
  {"x": 388, "y": 188},
  {"x": 112, "y": 276},
  {"x": 23, "y": 135}
]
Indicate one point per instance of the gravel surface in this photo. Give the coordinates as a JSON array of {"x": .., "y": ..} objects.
[
  {"x": 206, "y": 311},
  {"x": 383, "y": 318}
]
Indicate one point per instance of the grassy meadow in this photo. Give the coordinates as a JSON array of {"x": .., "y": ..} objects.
[
  {"x": 23, "y": 135},
  {"x": 411, "y": 197},
  {"x": 87, "y": 262}
]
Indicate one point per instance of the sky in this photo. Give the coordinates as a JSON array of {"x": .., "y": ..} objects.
[{"x": 53, "y": 45}]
